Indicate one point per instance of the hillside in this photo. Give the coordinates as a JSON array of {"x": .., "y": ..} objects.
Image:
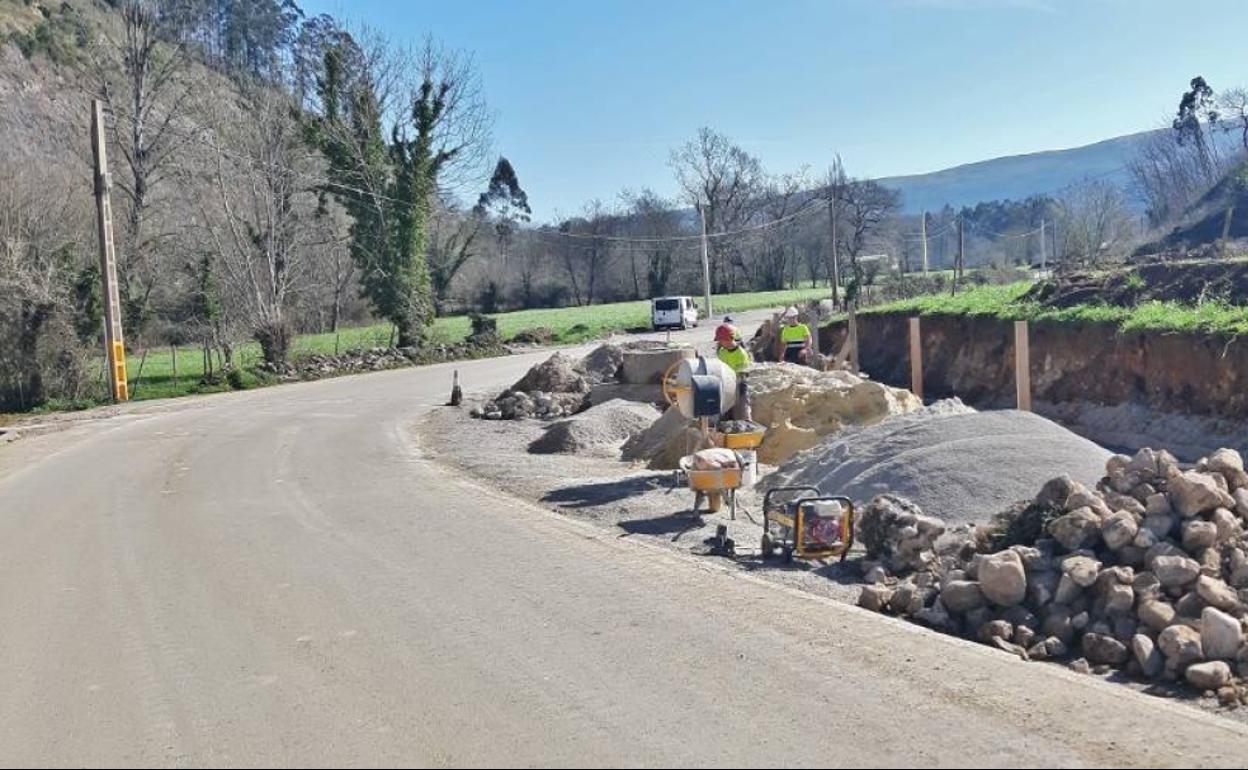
[{"x": 1017, "y": 177}]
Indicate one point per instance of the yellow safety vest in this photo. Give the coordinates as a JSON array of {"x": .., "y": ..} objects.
[
  {"x": 738, "y": 360},
  {"x": 794, "y": 335}
]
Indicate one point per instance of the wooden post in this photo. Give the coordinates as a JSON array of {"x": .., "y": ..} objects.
[
  {"x": 923, "y": 238},
  {"x": 853, "y": 340},
  {"x": 114, "y": 343},
  {"x": 916, "y": 359},
  {"x": 173, "y": 351},
  {"x": 1022, "y": 365}
]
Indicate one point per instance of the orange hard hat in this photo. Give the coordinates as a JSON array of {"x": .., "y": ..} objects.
[{"x": 725, "y": 333}]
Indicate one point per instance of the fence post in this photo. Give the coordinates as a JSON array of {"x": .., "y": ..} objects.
[
  {"x": 916, "y": 359},
  {"x": 1022, "y": 365},
  {"x": 853, "y": 340}
]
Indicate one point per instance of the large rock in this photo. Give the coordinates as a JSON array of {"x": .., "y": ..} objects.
[
  {"x": 1220, "y": 635},
  {"x": 1192, "y": 493},
  {"x": 1119, "y": 529},
  {"x": 1175, "y": 571},
  {"x": 1199, "y": 535},
  {"x": 961, "y": 595},
  {"x": 1082, "y": 570},
  {"x": 875, "y": 597},
  {"x": 895, "y": 531},
  {"x": 1208, "y": 676},
  {"x": 1099, "y": 648},
  {"x": 1081, "y": 528},
  {"x": 1147, "y": 656},
  {"x": 1002, "y": 578},
  {"x": 801, "y": 405},
  {"x": 1180, "y": 645},
  {"x": 1216, "y": 593},
  {"x": 1156, "y": 614}
]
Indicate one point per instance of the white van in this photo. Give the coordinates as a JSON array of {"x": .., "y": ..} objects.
[{"x": 673, "y": 313}]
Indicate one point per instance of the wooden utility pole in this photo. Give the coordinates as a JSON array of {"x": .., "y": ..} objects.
[
  {"x": 114, "y": 342},
  {"x": 1022, "y": 365},
  {"x": 836, "y": 265},
  {"x": 957, "y": 262},
  {"x": 923, "y": 238},
  {"x": 706, "y": 265},
  {"x": 1043, "y": 247},
  {"x": 916, "y": 359}
]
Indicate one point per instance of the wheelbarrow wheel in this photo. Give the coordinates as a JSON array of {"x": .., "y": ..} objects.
[{"x": 766, "y": 547}]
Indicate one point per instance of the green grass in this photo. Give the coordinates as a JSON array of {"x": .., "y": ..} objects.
[
  {"x": 1006, "y": 303},
  {"x": 153, "y": 377}
]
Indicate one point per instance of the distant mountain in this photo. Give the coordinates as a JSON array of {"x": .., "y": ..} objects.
[{"x": 1017, "y": 176}]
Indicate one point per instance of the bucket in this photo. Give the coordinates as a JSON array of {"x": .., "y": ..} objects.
[{"x": 749, "y": 465}]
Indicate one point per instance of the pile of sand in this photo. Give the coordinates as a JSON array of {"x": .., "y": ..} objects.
[
  {"x": 953, "y": 462},
  {"x": 598, "y": 431}
]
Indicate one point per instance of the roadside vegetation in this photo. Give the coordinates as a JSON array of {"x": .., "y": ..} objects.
[
  {"x": 1011, "y": 302},
  {"x": 153, "y": 376}
]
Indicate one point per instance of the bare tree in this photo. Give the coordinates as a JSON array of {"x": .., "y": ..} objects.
[
  {"x": 725, "y": 181},
  {"x": 1094, "y": 223},
  {"x": 585, "y": 258},
  {"x": 1234, "y": 104},
  {"x": 143, "y": 78},
  {"x": 454, "y": 237},
  {"x": 867, "y": 205},
  {"x": 776, "y": 248},
  {"x": 261, "y": 221},
  {"x": 652, "y": 218}
]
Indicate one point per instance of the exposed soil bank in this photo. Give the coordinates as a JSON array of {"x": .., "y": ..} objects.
[{"x": 1150, "y": 376}]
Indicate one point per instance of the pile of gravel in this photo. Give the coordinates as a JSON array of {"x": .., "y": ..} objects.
[
  {"x": 598, "y": 431},
  {"x": 955, "y": 463}
]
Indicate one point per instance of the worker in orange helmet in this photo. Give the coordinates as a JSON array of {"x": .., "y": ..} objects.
[{"x": 731, "y": 351}]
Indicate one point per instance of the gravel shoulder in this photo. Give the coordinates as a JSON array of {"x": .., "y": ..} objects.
[{"x": 631, "y": 501}]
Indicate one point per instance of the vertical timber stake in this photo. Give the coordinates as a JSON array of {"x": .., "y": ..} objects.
[
  {"x": 1022, "y": 365},
  {"x": 916, "y": 359},
  {"x": 853, "y": 339},
  {"x": 114, "y": 342}
]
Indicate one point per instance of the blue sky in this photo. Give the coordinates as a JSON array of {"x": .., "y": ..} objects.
[{"x": 590, "y": 97}]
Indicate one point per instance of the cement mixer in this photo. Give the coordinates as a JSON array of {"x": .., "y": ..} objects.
[{"x": 701, "y": 388}]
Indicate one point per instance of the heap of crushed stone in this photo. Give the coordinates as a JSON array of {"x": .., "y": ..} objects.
[
  {"x": 597, "y": 431},
  {"x": 952, "y": 461}
]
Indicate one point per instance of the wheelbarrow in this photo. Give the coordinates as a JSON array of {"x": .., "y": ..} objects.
[{"x": 808, "y": 525}]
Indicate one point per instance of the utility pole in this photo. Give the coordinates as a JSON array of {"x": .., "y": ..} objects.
[
  {"x": 957, "y": 265},
  {"x": 1043, "y": 257},
  {"x": 836, "y": 265},
  {"x": 114, "y": 342},
  {"x": 923, "y": 238},
  {"x": 706, "y": 265}
]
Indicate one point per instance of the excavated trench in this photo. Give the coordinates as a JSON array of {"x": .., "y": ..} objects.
[{"x": 1185, "y": 391}]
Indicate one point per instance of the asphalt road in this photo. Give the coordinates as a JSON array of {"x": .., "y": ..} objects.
[{"x": 282, "y": 577}]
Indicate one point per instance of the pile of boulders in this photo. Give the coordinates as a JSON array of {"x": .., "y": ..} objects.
[
  {"x": 557, "y": 387},
  {"x": 315, "y": 366},
  {"x": 1147, "y": 573}
]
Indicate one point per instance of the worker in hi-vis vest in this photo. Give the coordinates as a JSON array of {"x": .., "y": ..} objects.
[
  {"x": 730, "y": 350},
  {"x": 794, "y": 342}
]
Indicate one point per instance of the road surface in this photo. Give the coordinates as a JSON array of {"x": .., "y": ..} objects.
[{"x": 281, "y": 577}]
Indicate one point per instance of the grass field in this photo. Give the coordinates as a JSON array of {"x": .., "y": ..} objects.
[
  {"x": 1006, "y": 302},
  {"x": 152, "y": 376}
]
